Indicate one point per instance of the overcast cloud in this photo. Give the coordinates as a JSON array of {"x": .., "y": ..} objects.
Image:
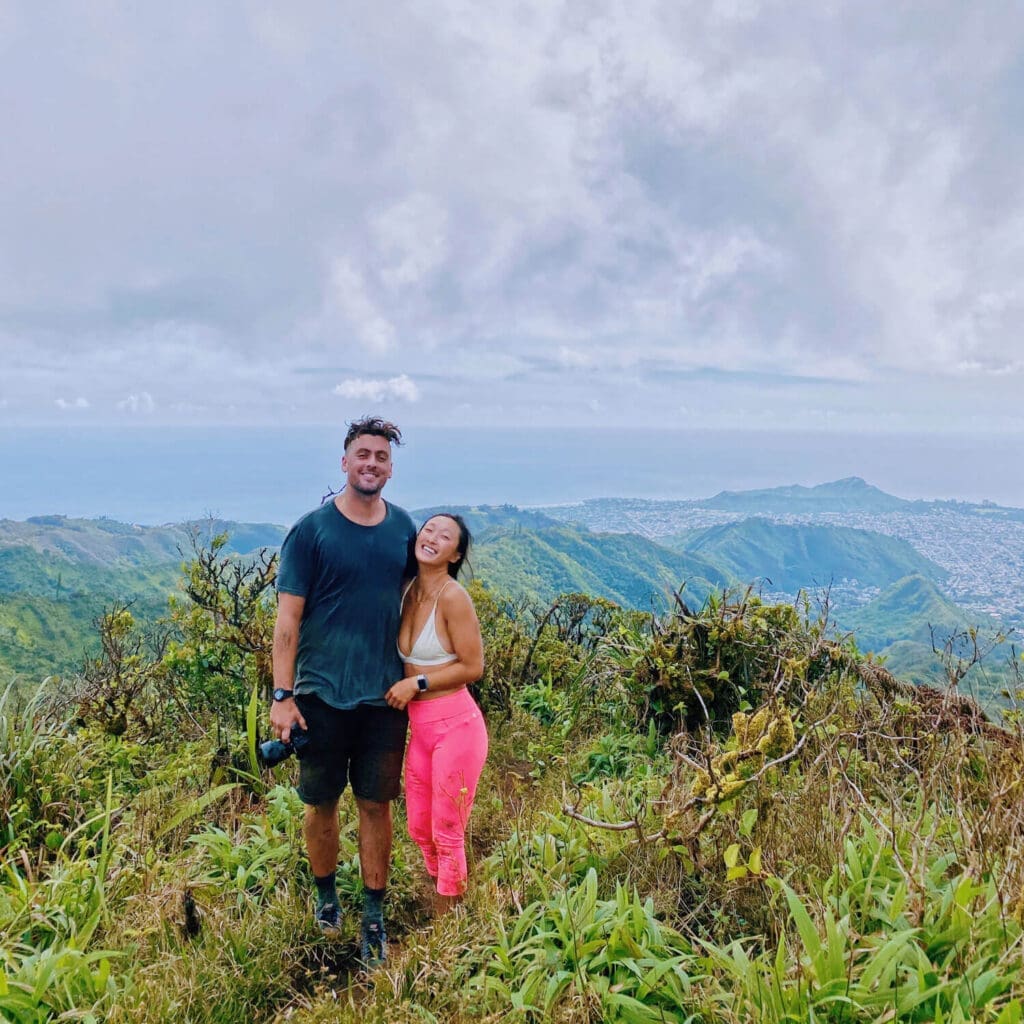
[{"x": 685, "y": 213}]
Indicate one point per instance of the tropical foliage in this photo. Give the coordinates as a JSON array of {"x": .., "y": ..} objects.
[{"x": 721, "y": 813}]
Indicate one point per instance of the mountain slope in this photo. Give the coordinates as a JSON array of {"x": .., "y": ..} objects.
[
  {"x": 904, "y": 621},
  {"x": 907, "y": 610},
  {"x": 799, "y": 556},
  {"x": 57, "y": 575},
  {"x": 106, "y": 541},
  {"x": 525, "y": 553},
  {"x": 624, "y": 568}
]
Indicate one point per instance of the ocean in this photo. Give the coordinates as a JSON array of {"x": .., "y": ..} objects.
[{"x": 161, "y": 475}]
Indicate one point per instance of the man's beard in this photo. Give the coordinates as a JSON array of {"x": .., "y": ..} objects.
[{"x": 368, "y": 492}]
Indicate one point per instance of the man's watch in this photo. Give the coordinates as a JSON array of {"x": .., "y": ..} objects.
[
  {"x": 282, "y": 694},
  {"x": 421, "y": 682}
]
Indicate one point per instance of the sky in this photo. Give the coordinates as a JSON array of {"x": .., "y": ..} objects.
[{"x": 712, "y": 214}]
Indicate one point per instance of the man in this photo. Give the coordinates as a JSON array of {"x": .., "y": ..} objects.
[{"x": 339, "y": 585}]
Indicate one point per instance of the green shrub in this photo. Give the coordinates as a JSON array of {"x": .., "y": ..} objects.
[{"x": 613, "y": 955}]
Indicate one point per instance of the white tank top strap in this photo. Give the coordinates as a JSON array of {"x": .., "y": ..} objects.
[{"x": 441, "y": 591}]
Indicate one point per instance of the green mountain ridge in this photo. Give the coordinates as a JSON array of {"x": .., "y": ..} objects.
[
  {"x": 105, "y": 541},
  {"x": 623, "y": 568},
  {"x": 57, "y": 574},
  {"x": 907, "y": 610},
  {"x": 907, "y": 618},
  {"x": 524, "y": 553},
  {"x": 794, "y": 557}
]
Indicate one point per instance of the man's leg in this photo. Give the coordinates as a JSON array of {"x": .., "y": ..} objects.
[
  {"x": 374, "y": 842},
  {"x": 376, "y": 773},
  {"x": 320, "y": 827},
  {"x": 323, "y": 775},
  {"x": 375, "y": 859}
]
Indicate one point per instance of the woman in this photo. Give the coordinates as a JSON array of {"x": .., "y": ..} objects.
[{"x": 439, "y": 641}]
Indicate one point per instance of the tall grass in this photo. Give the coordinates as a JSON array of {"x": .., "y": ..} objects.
[{"x": 828, "y": 854}]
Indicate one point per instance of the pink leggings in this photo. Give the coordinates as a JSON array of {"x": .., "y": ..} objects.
[{"x": 447, "y": 750}]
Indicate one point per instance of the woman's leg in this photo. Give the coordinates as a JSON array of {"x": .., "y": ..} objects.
[
  {"x": 418, "y": 793},
  {"x": 457, "y": 762}
]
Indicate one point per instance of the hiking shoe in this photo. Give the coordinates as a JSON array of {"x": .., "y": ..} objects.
[
  {"x": 328, "y": 918},
  {"x": 374, "y": 944}
]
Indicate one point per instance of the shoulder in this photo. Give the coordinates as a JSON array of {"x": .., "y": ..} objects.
[
  {"x": 400, "y": 517},
  {"x": 305, "y": 525},
  {"x": 299, "y": 555},
  {"x": 315, "y": 516},
  {"x": 455, "y": 598}
]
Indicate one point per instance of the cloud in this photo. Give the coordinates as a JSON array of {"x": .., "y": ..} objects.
[
  {"x": 349, "y": 295},
  {"x": 813, "y": 190},
  {"x": 572, "y": 358},
  {"x": 411, "y": 239},
  {"x": 76, "y": 403},
  {"x": 140, "y": 403},
  {"x": 401, "y": 388}
]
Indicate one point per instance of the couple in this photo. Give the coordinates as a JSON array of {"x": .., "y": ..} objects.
[{"x": 363, "y": 601}]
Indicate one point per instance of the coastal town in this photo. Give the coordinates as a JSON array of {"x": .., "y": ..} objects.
[{"x": 981, "y": 547}]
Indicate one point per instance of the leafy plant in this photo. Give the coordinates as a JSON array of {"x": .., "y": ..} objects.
[
  {"x": 226, "y": 629},
  {"x": 612, "y": 954}
]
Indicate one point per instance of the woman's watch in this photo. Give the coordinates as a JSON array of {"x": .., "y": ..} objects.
[{"x": 421, "y": 682}]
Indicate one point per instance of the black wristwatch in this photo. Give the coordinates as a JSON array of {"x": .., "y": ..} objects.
[
  {"x": 421, "y": 682},
  {"x": 281, "y": 694}
]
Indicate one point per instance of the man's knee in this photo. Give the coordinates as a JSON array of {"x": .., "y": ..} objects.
[
  {"x": 322, "y": 816},
  {"x": 373, "y": 811},
  {"x": 325, "y": 810}
]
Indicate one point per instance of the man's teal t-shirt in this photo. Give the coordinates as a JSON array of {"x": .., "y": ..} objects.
[{"x": 351, "y": 577}]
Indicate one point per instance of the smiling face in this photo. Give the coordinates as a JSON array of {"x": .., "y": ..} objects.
[
  {"x": 367, "y": 464},
  {"x": 439, "y": 542}
]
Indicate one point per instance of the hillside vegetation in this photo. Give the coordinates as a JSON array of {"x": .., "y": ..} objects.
[
  {"x": 629, "y": 570},
  {"x": 911, "y": 620},
  {"x": 704, "y": 815},
  {"x": 57, "y": 575},
  {"x": 792, "y": 558},
  {"x": 908, "y": 610}
]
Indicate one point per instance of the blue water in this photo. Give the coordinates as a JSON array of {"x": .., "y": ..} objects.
[{"x": 165, "y": 475}]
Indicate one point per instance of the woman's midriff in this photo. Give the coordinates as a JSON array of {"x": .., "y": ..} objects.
[{"x": 449, "y": 704}]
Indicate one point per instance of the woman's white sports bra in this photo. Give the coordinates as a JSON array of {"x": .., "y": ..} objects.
[{"x": 427, "y": 650}]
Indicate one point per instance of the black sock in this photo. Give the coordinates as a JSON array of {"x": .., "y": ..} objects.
[
  {"x": 373, "y": 904},
  {"x": 325, "y": 890}
]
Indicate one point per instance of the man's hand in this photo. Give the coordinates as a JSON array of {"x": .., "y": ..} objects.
[
  {"x": 284, "y": 716},
  {"x": 402, "y": 692}
]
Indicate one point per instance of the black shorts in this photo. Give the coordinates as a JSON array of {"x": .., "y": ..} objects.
[{"x": 363, "y": 745}]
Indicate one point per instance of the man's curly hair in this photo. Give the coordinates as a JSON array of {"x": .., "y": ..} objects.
[{"x": 375, "y": 427}]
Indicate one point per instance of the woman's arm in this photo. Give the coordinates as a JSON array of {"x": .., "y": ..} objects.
[{"x": 459, "y": 616}]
